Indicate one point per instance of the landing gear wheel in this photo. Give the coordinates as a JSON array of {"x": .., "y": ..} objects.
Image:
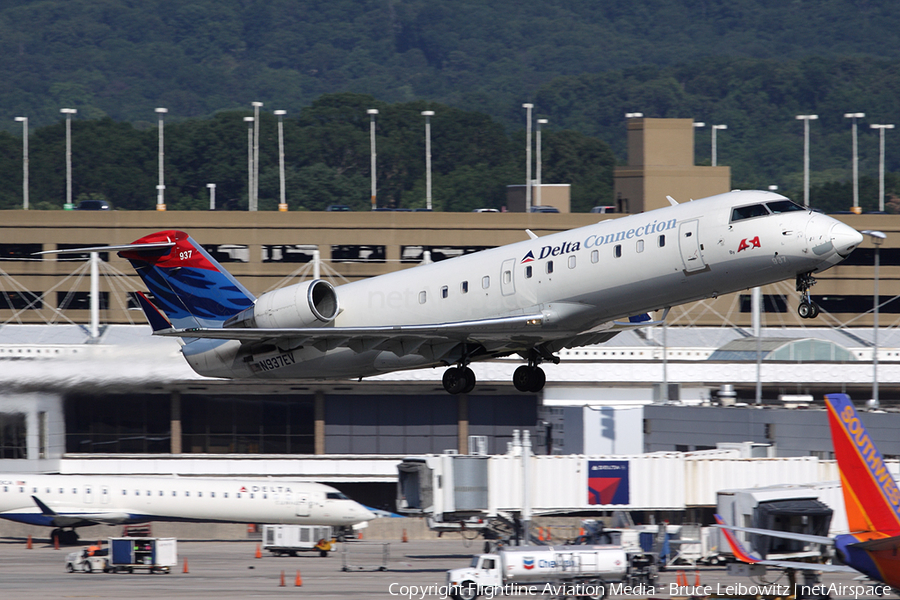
[
  {"x": 459, "y": 380},
  {"x": 529, "y": 379},
  {"x": 454, "y": 380},
  {"x": 808, "y": 310},
  {"x": 521, "y": 378},
  {"x": 69, "y": 538}
]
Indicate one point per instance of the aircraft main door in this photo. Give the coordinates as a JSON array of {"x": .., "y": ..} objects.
[
  {"x": 689, "y": 244},
  {"x": 507, "y": 277},
  {"x": 301, "y": 505}
]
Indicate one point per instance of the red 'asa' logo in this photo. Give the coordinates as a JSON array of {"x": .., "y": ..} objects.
[{"x": 745, "y": 244}]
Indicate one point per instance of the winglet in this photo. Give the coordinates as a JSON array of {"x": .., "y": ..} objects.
[
  {"x": 44, "y": 508},
  {"x": 736, "y": 547},
  {"x": 157, "y": 320}
]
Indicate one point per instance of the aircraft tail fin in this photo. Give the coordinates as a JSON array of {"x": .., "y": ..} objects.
[
  {"x": 188, "y": 284},
  {"x": 871, "y": 496}
]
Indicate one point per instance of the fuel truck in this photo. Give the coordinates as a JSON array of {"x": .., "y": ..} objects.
[{"x": 592, "y": 571}]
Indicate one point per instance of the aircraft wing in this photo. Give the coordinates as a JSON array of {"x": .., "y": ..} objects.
[
  {"x": 66, "y": 518},
  {"x": 748, "y": 557},
  {"x": 459, "y": 331}
]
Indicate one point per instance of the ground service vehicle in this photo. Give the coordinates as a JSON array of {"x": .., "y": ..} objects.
[
  {"x": 290, "y": 539},
  {"x": 570, "y": 570},
  {"x": 158, "y": 555}
]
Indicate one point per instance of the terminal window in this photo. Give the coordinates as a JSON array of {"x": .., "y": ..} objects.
[
  {"x": 21, "y": 300},
  {"x": 20, "y": 251},
  {"x": 12, "y": 436}
]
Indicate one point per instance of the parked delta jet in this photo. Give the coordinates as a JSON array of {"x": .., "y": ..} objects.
[
  {"x": 70, "y": 501},
  {"x": 532, "y": 298},
  {"x": 872, "y": 502}
]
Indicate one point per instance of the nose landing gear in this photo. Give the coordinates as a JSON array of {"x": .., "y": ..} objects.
[{"x": 807, "y": 308}]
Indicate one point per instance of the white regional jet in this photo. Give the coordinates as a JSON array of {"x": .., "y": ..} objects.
[
  {"x": 69, "y": 501},
  {"x": 532, "y": 298}
]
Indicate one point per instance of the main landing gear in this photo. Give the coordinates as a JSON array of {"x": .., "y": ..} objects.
[
  {"x": 66, "y": 537},
  {"x": 530, "y": 377},
  {"x": 807, "y": 308},
  {"x": 459, "y": 380}
]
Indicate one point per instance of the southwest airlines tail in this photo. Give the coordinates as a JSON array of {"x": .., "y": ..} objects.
[
  {"x": 871, "y": 496},
  {"x": 188, "y": 285}
]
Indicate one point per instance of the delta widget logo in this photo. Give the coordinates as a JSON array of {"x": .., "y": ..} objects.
[{"x": 608, "y": 482}]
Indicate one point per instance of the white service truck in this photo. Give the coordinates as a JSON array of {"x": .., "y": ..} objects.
[
  {"x": 290, "y": 539},
  {"x": 569, "y": 570}
]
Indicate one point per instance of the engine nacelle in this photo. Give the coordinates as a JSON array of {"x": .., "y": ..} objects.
[{"x": 309, "y": 304}]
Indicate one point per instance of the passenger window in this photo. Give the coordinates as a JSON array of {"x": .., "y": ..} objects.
[
  {"x": 464, "y": 287},
  {"x": 187, "y": 493},
  {"x": 160, "y": 492},
  {"x": 572, "y": 262},
  {"x": 422, "y": 297},
  {"x": 174, "y": 493},
  {"x": 445, "y": 292},
  {"x": 549, "y": 267},
  {"x": 662, "y": 241},
  {"x": 640, "y": 246},
  {"x": 199, "y": 494},
  {"x": 617, "y": 251},
  {"x": 739, "y": 213},
  {"x": 225, "y": 494},
  {"x": 486, "y": 282},
  {"x": 149, "y": 493},
  {"x": 212, "y": 494},
  {"x": 528, "y": 272},
  {"x": 595, "y": 256}
]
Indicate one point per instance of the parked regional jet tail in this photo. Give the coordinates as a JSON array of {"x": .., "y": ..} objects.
[{"x": 871, "y": 499}]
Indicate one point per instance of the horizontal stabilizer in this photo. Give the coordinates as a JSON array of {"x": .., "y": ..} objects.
[
  {"x": 130, "y": 247},
  {"x": 157, "y": 320},
  {"x": 880, "y": 545}
]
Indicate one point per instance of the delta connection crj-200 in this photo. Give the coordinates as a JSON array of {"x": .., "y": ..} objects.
[{"x": 532, "y": 298}]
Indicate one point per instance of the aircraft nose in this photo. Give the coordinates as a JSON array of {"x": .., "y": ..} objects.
[{"x": 845, "y": 239}]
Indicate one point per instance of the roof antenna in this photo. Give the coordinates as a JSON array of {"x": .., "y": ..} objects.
[{"x": 671, "y": 200}]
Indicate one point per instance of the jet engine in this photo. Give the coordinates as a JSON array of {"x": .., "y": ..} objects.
[{"x": 309, "y": 304}]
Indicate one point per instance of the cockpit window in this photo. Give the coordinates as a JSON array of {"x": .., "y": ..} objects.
[
  {"x": 740, "y": 213},
  {"x": 782, "y": 206},
  {"x": 336, "y": 496}
]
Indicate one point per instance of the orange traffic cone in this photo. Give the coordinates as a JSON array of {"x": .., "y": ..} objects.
[
  {"x": 56, "y": 542},
  {"x": 28, "y": 543},
  {"x": 298, "y": 582},
  {"x": 185, "y": 569},
  {"x": 697, "y": 578},
  {"x": 282, "y": 580},
  {"x": 681, "y": 579},
  {"x": 360, "y": 536},
  {"x": 540, "y": 534},
  {"x": 405, "y": 537},
  {"x": 258, "y": 551}
]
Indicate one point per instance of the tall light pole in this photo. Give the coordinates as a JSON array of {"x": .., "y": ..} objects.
[
  {"x": 428, "y": 114},
  {"x": 806, "y": 119},
  {"x": 881, "y": 129},
  {"x": 212, "y": 195},
  {"x": 256, "y": 106},
  {"x": 537, "y": 188},
  {"x": 161, "y": 186},
  {"x": 249, "y": 121},
  {"x": 282, "y": 206},
  {"x": 715, "y": 128},
  {"x": 528, "y": 108},
  {"x": 24, "y": 122},
  {"x": 854, "y": 117},
  {"x": 68, "y": 112},
  {"x": 372, "y": 112},
  {"x": 877, "y": 238}
]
